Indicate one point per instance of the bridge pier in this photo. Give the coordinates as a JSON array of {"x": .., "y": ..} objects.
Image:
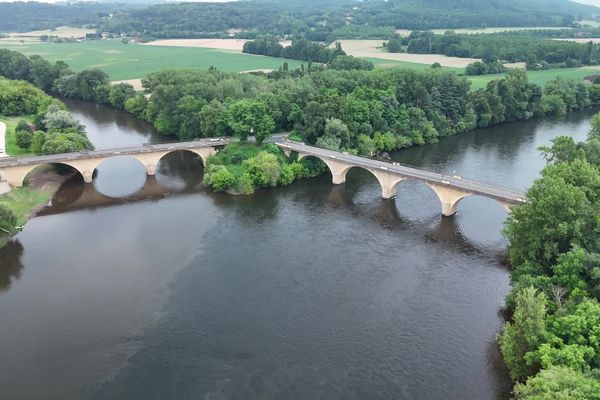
[{"x": 449, "y": 197}]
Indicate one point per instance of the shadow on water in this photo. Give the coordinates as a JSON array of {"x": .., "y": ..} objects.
[{"x": 11, "y": 265}]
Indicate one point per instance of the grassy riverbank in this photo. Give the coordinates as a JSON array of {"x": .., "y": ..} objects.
[
  {"x": 26, "y": 201},
  {"x": 10, "y": 145}
]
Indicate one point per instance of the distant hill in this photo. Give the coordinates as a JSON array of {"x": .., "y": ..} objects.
[{"x": 314, "y": 19}]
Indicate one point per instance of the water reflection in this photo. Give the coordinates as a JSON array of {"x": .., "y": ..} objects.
[{"x": 11, "y": 265}]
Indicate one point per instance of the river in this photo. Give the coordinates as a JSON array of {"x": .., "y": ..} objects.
[{"x": 156, "y": 288}]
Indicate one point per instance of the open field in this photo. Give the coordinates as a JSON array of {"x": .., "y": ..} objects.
[
  {"x": 373, "y": 49},
  {"x": 580, "y": 40},
  {"x": 130, "y": 61},
  {"x": 406, "y": 32},
  {"x": 62, "y": 31},
  {"x": 236, "y": 45},
  {"x": 539, "y": 77}
]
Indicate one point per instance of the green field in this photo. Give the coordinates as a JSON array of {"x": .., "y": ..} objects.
[
  {"x": 130, "y": 61},
  {"x": 539, "y": 77}
]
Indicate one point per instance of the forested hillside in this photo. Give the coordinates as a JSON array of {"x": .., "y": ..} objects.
[
  {"x": 30, "y": 16},
  {"x": 314, "y": 20}
]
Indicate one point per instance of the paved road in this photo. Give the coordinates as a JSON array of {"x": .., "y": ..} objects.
[
  {"x": 503, "y": 194},
  {"x": 150, "y": 148}
]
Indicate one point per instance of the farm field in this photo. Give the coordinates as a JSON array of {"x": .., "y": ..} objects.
[
  {"x": 124, "y": 62},
  {"x": 373, "y": 49},
  {"x": 62, "y": 31},
  {"x": 131, "y": 61},
  {"x": 539, "y": 77}
]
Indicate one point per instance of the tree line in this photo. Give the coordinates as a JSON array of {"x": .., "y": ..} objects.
[
  {"x": 551, "y": 344},
  {"x": 331, "y": 20},
  {"x": 301, "y": 49},
  {"x": 537, "y": 52},
  {"x": 305, "y": 50}
]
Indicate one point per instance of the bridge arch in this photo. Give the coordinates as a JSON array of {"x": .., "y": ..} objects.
[
  {"x": 339, "y": 171},
  {"x": 18, "y": 177}
]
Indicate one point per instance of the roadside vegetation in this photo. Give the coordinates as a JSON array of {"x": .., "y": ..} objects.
[{"x": 551, "y": 344}]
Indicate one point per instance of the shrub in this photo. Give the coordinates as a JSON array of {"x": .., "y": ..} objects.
[
  {"x": 8, "y": 219},
  {"x": 24, "y": 138}
]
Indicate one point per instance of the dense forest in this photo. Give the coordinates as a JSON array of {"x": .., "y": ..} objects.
[
  {"x": 317, "y": 21},
  {"x": 552, "y": 343},
  {"x": 538, "y": 52},
  {"x": 32, "y": 16}
]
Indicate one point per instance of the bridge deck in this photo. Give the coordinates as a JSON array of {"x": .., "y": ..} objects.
[
  {"x": 150, "y": 148},
  {"x": 507, "y": 195}
]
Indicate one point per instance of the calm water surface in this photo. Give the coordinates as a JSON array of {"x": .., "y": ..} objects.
[{"x": 156, "y": 288}]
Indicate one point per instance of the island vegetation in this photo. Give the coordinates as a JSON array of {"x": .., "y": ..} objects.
[{"x": 551, "y": 344}]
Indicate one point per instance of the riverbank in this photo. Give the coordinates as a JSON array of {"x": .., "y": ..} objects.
[{"x": 25, "y": 202}]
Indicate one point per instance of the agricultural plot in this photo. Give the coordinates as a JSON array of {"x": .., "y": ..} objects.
[{"x": 130, "y": 61}]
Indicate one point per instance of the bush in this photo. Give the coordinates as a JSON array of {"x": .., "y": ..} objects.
[
  {"x": 23, "y": 125},
  {"x": 37, "y": 142},
  {"x": 8, "y": 219},
  {"x": 24, "y": 138},
  {"x": 219, "y": 178}
]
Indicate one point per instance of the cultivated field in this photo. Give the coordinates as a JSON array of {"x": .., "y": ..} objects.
[
  {"x": 540, "y": 77},
  {"x": 131, "y": 61},
  {"x": 373, "y": 49},
  {"x": 63, "y": 31},
  {"x": 581, "y": 40},
  {"x": 236, "y": 45}
]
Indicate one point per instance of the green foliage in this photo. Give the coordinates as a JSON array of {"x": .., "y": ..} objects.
[
  {"x": 556, "y": 215},
  {"x": 8, "y": 219},
  {"x": 559, "y": 383},
  {"x": 241, "y": 168},
  {"x": 525, "y": 333},
  {"x": 394, "y": 46},
  {"x": 19, "y": 98},
  {"x": 250, "y": 117},
  {"x": 301, "y": 49},
  {"x": 24, "y": 138},
  {"x": 119, "y": 94},
  {"x": 554, "y": 248},
  {"x": 553, "y": 104},
  {"x": 350, "y": 62}
]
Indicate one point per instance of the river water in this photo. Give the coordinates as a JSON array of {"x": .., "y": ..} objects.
[{"x": 156, "y": 288}]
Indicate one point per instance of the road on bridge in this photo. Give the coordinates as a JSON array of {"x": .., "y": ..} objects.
[{"x": 507, "y": 195}]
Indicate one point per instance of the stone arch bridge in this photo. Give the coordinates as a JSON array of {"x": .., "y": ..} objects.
[
  {"x": 449, "y": 189},
  {"x": 15, "y": 169}
]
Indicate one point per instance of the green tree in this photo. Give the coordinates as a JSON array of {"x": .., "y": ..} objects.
[
  {"x": 525, "y": 333},
  {"x": 556, "y": 215},
  {"x": 264, "y": 168},
  {"x": 118, "y": 94},
  {"x": 250, "y": 117},
  {"x": 559, "y": 383}
]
